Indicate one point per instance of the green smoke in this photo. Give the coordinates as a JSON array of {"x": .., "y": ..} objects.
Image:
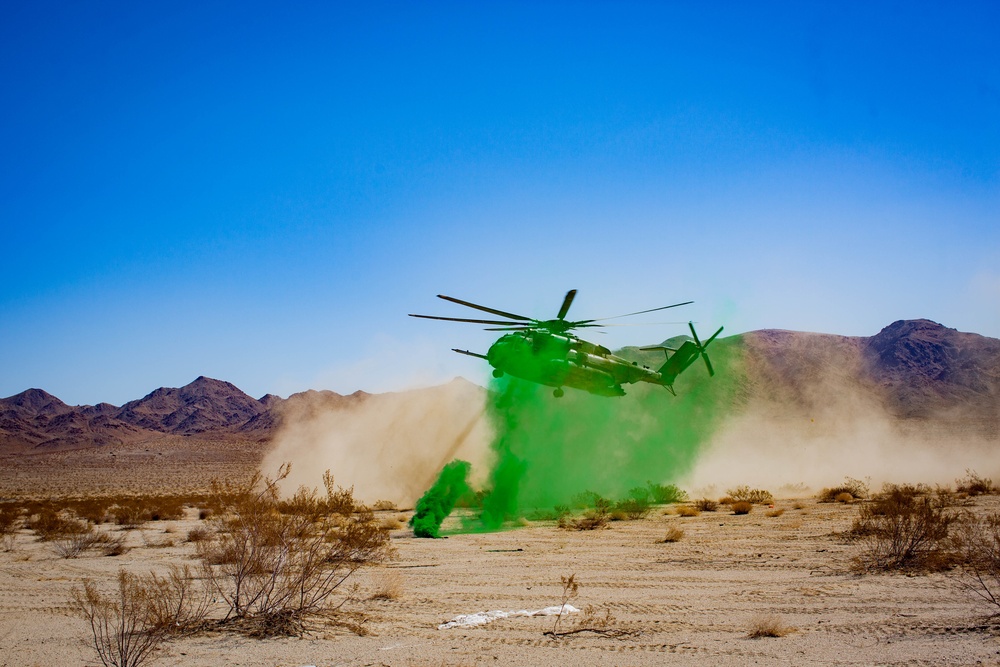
[
  {"x": 548, "y": 450},
  {"x": 436, "y": 504}
]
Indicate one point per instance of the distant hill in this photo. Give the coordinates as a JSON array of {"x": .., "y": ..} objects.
[{"x": 917, "y": 369}]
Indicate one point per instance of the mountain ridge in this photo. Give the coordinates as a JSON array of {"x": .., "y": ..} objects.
[{"x": 918, "y": 368}]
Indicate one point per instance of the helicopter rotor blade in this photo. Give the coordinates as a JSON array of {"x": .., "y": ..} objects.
[
  {"x": 460, "y": 319},
  {"x": 638, "y": 312},
  {"x": 713, "y": 336},
  {"x": 485, "y": 309},
  {"x": 708, "y": 363},
  {"x": 694, "y": 334},
  {"x": 567, "y": 302}
]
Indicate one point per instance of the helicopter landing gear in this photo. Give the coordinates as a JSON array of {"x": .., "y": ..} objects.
[
  {"x": 497, "y": 373},
  {"x": 558, "y": 392}
]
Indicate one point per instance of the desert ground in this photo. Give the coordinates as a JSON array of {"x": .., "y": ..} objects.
[{"x": 692, "y": 601}]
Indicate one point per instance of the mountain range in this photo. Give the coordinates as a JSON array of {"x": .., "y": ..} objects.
[{"x": 918, "y": 369}]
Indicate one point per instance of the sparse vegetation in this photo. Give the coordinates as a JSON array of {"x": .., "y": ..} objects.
[
  {"x": 746, "y": 494},
  {"x": 388, "y": 585},
  {"x": 706, "y": 505},
  {"x": 975, "y": 485},
  {"x": 978, "y": 544},
  {"x": 775, "y": 513},
  {"x": 666, "y": 494},
  {"x": 851, "y": 490},
  {"x": 904, "y": 527},
  {"x": 768, "y": 626},
  {"x": 674, "y": 534},
  {"x": 635, "y": 506},
  {"x": 279, "y": 563},
  {"x": 687, "y": 510},
  {"x": 128, "y": 625},
  {"x": 741, "y": 507}
]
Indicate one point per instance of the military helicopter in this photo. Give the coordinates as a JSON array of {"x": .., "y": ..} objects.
[{"x": 544, "y": 351}]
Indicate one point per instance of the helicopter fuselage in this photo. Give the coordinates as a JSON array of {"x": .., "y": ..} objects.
[{"x": 560, "y": 360}]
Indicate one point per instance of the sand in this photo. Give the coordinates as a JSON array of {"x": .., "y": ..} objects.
[{"x": 691, "y": 602}]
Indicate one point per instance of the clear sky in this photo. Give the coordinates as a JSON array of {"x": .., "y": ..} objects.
[{"x": 260, "y": 193}]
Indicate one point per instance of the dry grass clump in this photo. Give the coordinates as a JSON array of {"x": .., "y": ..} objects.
[
  {"x": 904, "y": 527},
  {"x": 388, "y": 585},
  {"x": 706, "y": 505},
  {"x": 73, "y": 545},
  {"x": 741, "y": 507},
  {"x": 10, "y": 519},
  {"x": 746, "y": 494},
  {"x": 674, "y": 534},
  {"x": 687, "y": 510},
  {"x": 974, "y": 485},
  {"x": 199, "y": 534},
  {"x": 775, "y": 513},
  {"x": 768, "y": 626},
  {"x": 392, "y": 523},
  {"x": 384, "y": 506},
  {"x": 852, "y": 489}
]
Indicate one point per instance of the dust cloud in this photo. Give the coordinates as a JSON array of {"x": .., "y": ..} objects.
[
  {"x": 387, "y": 446},
  {"x": 806, "y": 429}
]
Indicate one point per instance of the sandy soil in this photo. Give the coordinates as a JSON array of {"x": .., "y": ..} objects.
[{"x": 688, "y": 602}]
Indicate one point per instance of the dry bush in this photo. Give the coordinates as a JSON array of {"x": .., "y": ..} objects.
[
  {"x": 388, "y": 585},
  {"x": 592, "y": 520},
  {"x": 277, "y": 564},
  {"x": 978, "y": 545},
  {"x": 687, "y": 510},
  {"x": 673, "y": 535},
  {"x": 122, "y": 628},
  {"x": 746, "y": 494},
  {"x": 974, "y": 485},
  {"x": 798, "y": 506},
  {"x": 775, "y": 513},
  {"x": 384, "y": 506},
  {"x": 392, "y": 523},
  {"x": 741, "y": 507},
  {"x": 768, "y": 626},
  {"x": 179, "y": 604},
  {"x": 199, "y": 534},
  {"x": 904, "y": 527},
  {"x": 74, "y": 544},
  {"x": 855, "y": 488},
  {"x": 49, "y": 524},
  {"x": 844, "y": 497},
  {"x": 706, "y": 505},
  {"x": 10, "y": 519}
]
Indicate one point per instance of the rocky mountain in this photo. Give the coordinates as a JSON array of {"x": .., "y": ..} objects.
[{"x": 917, "y": 370}]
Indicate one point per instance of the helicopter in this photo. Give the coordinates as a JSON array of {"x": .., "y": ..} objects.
[{"x": 546, "y": 352}]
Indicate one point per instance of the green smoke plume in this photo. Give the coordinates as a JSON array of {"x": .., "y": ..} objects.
[
  {"x": 549, "y": 450},
  {"x": 436, "y": 504}
]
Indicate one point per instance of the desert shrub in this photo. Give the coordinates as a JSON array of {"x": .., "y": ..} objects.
[
  {"x": 844, "y": 497},
  {"x": 687, "y": 510},
  {"x": 591, "y": 520},
  {"x": 384, "y": 506},
  {"x": 74, "y": 544},
  {"x": 741, "y": 507},
  {"x": 706, "y": 505},
  {"x": 775, "y": 513},
  {"x": 767, "y": 626},
  {"x": 179, "y": 604},
  {"x": 633, "y": 508},
  {"x": 856, "y": 488},
  {"x": 590, "y": 500},
  {"x": 978, "y": 544},
  {"x": 49, "y": 525},
  {"x": 746, "y": 494},
  {"x": 276, "y": 564},
  {"x": 674, "y": 534},
  {"x": 974, "y": 485},
  {"x": 10, "y": 519},
  {"x": 130, "y": 513},
  {"x": 903, "y": 527},
  {"x": 665, "y": 494},
  {"x": 199, "y": 534},
  {"x": 127, "y": 625}
]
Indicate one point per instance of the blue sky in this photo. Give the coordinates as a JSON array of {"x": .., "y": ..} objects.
[{"x": 261, "y": 194}]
